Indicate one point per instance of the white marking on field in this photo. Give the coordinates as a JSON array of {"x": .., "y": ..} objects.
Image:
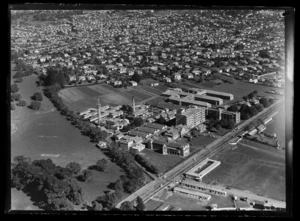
[
  {"x": 49, "y": 155},
  {"x": 47, "y": 136}
]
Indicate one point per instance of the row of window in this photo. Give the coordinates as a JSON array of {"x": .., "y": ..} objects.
[
  {"x": 193, "y": 195},
  {"x": 217, "y": 192}
]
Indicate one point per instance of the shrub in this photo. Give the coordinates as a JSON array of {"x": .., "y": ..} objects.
[
  {"x": 35, "y": 105},
  {"x": 16, "y": 97},
  {"x": 102, "y": 164},
  {"x": 74, "y": 167},
  {"x": 37, "y": 96},
  {"x": 22, "y": 103},
  {"x": 14, "y": 88}
]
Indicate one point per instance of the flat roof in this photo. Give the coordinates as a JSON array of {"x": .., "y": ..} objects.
[
  {"x": 203, "y": 185},
  {"x": 209, "y": 97},
  {"x": 197, "y": 193},
  {"x": 193, "y": 172},
  {"x": 200, "y": 103},
  {"x": 218, "y": 93}
]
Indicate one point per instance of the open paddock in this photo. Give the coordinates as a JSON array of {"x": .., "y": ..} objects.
[
  {"x": 138, "y": 95},
  {"x": 152, "y": 90},
  {"x": 80, "y": 98}
]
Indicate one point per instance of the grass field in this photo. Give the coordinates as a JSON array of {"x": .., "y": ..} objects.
[
  {"x": 261, "y": 171},
  {"x": 81, "y": 98},
  {"x": 187, "y": 203},
  {"x": 20, "y": 201},
  {"x": 198, "y": 142},
  {"x": 162, "y": 162},
  {"x": 101, "y": 180}
]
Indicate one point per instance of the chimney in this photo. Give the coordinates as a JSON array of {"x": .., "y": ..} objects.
[
  {"x": 99, "y": 112},
  {"x": 133, "y": 104}
]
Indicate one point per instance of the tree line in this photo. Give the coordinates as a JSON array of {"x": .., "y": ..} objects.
[{"x": 51, "y": 187}]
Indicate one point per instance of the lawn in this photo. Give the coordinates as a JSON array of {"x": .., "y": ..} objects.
[
  {"x": 162, "y": 162},
  {"x": 138, "y": 95},
  {"x": 261, "y": 172},
  {"x": 153, "y": 90},
  {"x": 89, "y": 91},
  {"x": 98, "y": 185},
  {"x": 20, "y": 201},
  {"x": 186, "y": 203},
  {"x": 198, "y": 142},
  {"x": 152, "y": 205}
]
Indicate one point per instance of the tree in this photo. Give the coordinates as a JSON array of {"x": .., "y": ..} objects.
[
  {"x": 118, "y": 185},
  {"x": 264, "y": 54},
  {"x": 21, "y": 159},
  {"x": 102, "y": 164},
  {"x": 140, "y": 204},
  {"x": 231, "y": 124},
  {"x": 37, "y": 96},
  {"x": 74, "y": 167},
  {"x": 233, "y": 108},
  {"x": 16, "y": 97},
  {"x": 271, "y": 101},
  {"x": 127, "y": 206},
  {"x": 218, "y": 127},
  {"x": 14, "y": 88},
  {"x": 264, "y": 102},
  {"x": 259, "y": 107},
  {"x": 35, "y": 105},
  {"x": 53, "y": 76},
  {"x": 245, "y": 98},
  {"x": 136, "y": 77},
  {"x": 87, "y": 175},
  {"x": 22, "y": 103},
  {"x": 252, "y": 111},
  {"x": 224, "y": 123},
  {"x": 127, "y": 108},
  {"x": 97, "y": 206},
  {"x": 138, "y": 122}
]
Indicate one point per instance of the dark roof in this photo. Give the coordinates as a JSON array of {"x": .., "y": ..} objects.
[{"x": 160, "y": 142}]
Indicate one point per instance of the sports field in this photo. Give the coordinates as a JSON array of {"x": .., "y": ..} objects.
[
  {"x": 81, "y": 98},
  {"x": 258, "y": 170}
]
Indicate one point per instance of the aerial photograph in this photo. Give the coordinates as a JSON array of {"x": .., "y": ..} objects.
[{"x": 148, "y": 110}]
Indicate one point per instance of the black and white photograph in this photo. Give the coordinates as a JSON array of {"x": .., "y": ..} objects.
[{"x": 150, "y": 109}]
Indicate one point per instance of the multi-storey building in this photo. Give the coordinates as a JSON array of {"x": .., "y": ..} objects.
[
  {"x": 219, "y": 114},
  {"x": 191, "y": 117}
]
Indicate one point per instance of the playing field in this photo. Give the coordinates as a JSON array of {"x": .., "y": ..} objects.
[
  {"x": 81, "y": 98},
  {"x": 258, "y": 170}
]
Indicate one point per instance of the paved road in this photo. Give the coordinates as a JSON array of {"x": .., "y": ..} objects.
[
  {"x": 252, "y": 197},
  {"x": 156, "y": 186}
]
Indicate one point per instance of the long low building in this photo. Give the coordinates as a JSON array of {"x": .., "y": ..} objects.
[
  {"x": 208, "y": 99},
  {"x": 192, "y": 193},
  {"x": 203, "y": 187},
  {"x": 202, "y": 169},
  {"x": 222, "y": 95},
  {"x": 186, "y": 102}
]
